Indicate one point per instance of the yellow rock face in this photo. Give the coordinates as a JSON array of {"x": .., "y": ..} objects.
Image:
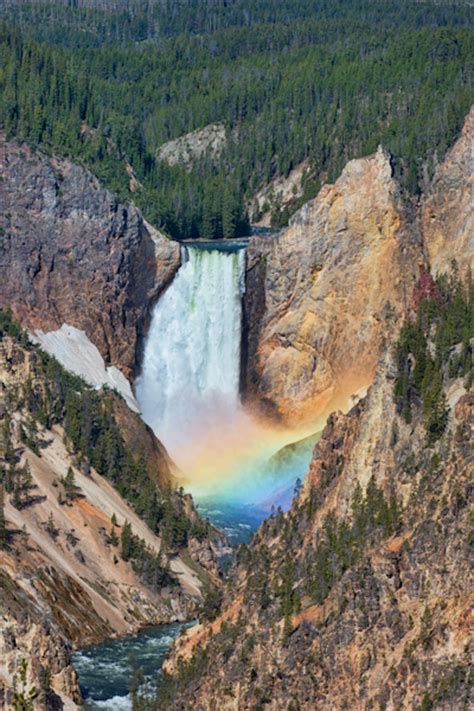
[
  {"x": 325, "y": 294},
  {"x": 336, "y": 281}
]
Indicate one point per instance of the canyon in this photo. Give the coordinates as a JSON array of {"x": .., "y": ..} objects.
[
  {"x": 349, "y": 600},
  {"x": 312, "y": 330},
  {"x": 323, "y": 305},
  {"x": 361, "y": 595}
]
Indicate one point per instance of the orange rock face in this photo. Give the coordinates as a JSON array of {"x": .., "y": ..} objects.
[
  {"x": 335, "y": 283},
  {"x": 325, "y": 293}
]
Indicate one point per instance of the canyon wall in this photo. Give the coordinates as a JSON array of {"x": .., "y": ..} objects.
[
  {"x": 71, "y": 254},
  {"x": 321, "y": 298},
  {"x": 361, "y": 596},
  {"x": 447, "y": 209},
  {"x": 326, "y": 293}
]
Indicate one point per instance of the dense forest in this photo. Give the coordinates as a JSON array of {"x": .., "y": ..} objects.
[{"x": 108, "y": 83}]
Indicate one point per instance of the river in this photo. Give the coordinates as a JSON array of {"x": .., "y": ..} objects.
[{"x": 105, "y": 670}]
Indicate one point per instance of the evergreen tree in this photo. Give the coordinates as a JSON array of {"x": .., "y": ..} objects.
[
  {"x": 228, "y": 213},
  {"x": 3, "y": 524},
  {"x": 51, "y": 528},
  {"x": 69, "y": 484},
  {"x": 126, "y": 541},
  {"x": 17, "y": 499},
  {"x": 113, "y": 538},
  {"x": 435, "y": 411},
  {"x": 277, "y": 111}
]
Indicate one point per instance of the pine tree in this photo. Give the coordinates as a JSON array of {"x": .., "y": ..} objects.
[
  {"x": 3, "y": 524},
  {"x": 8, "y": 449},
  {"x": 26, "y": 478},
  {"x": 126, "y": 541},
  {"x": 17, "y": 499},
  {"x": 228, "y": 213},
  {"x": 298, "y": 487},
  {"x": 69, "y": 484},
  {"x": 207, "y": 230},
  {"x": 435, "y": 410},
  {"x": 113, "y": 538},
  {"x": 51, "y": 527}
]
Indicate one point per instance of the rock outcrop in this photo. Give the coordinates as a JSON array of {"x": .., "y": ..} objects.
[
  {"x": 447, "y": 210},
  {"x": 71, "y": 254},
  {"x": 280, "y": 193},
  {"x": 324, "y": 294},
  {"x": 188, "y": 149},
  {"x": 30, "y": 631}
]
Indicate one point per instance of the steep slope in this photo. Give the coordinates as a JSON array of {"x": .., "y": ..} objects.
[
  {"x": 361, "y": 596},
  {"x": 71, "y": 254},
  {"x": 326, "y": 293},
  {"x": 79, "y": 562},
  {"x": 447, "y": 211},
  {"x": 278, "y": 195}
]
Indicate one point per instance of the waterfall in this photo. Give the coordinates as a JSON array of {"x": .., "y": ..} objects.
[
  {"x": 189, "y": 385},
  {"x": 188, "y": 390}
]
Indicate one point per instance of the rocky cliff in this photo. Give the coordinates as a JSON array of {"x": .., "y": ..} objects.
[
  {"x": 71, "y": 254},
  {"x": 331, "y": 287},
  {"x": 447, "y": 209},
  {"x": 326, "y": 293},
  {"x": 188, "y": 149},
  {"x": 75, "y": 490},
  {"x": 279, "y": 194},
  {"x": 361, "y": 596}
]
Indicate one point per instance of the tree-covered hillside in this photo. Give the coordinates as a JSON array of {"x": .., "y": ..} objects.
[{"x": 107, "y": 83}]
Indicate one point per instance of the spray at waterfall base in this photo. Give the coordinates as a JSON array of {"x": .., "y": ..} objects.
[{"x": 188, "y": 390}]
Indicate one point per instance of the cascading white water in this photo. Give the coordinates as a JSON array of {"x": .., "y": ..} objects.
[
  {"x": 189, "y": 383},
  {"x": 188, "y": 390}
]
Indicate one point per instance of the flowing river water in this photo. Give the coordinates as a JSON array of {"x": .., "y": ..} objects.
[
  {"x": 237, "y": 468},
  {"x": 105, "y": 670}
]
